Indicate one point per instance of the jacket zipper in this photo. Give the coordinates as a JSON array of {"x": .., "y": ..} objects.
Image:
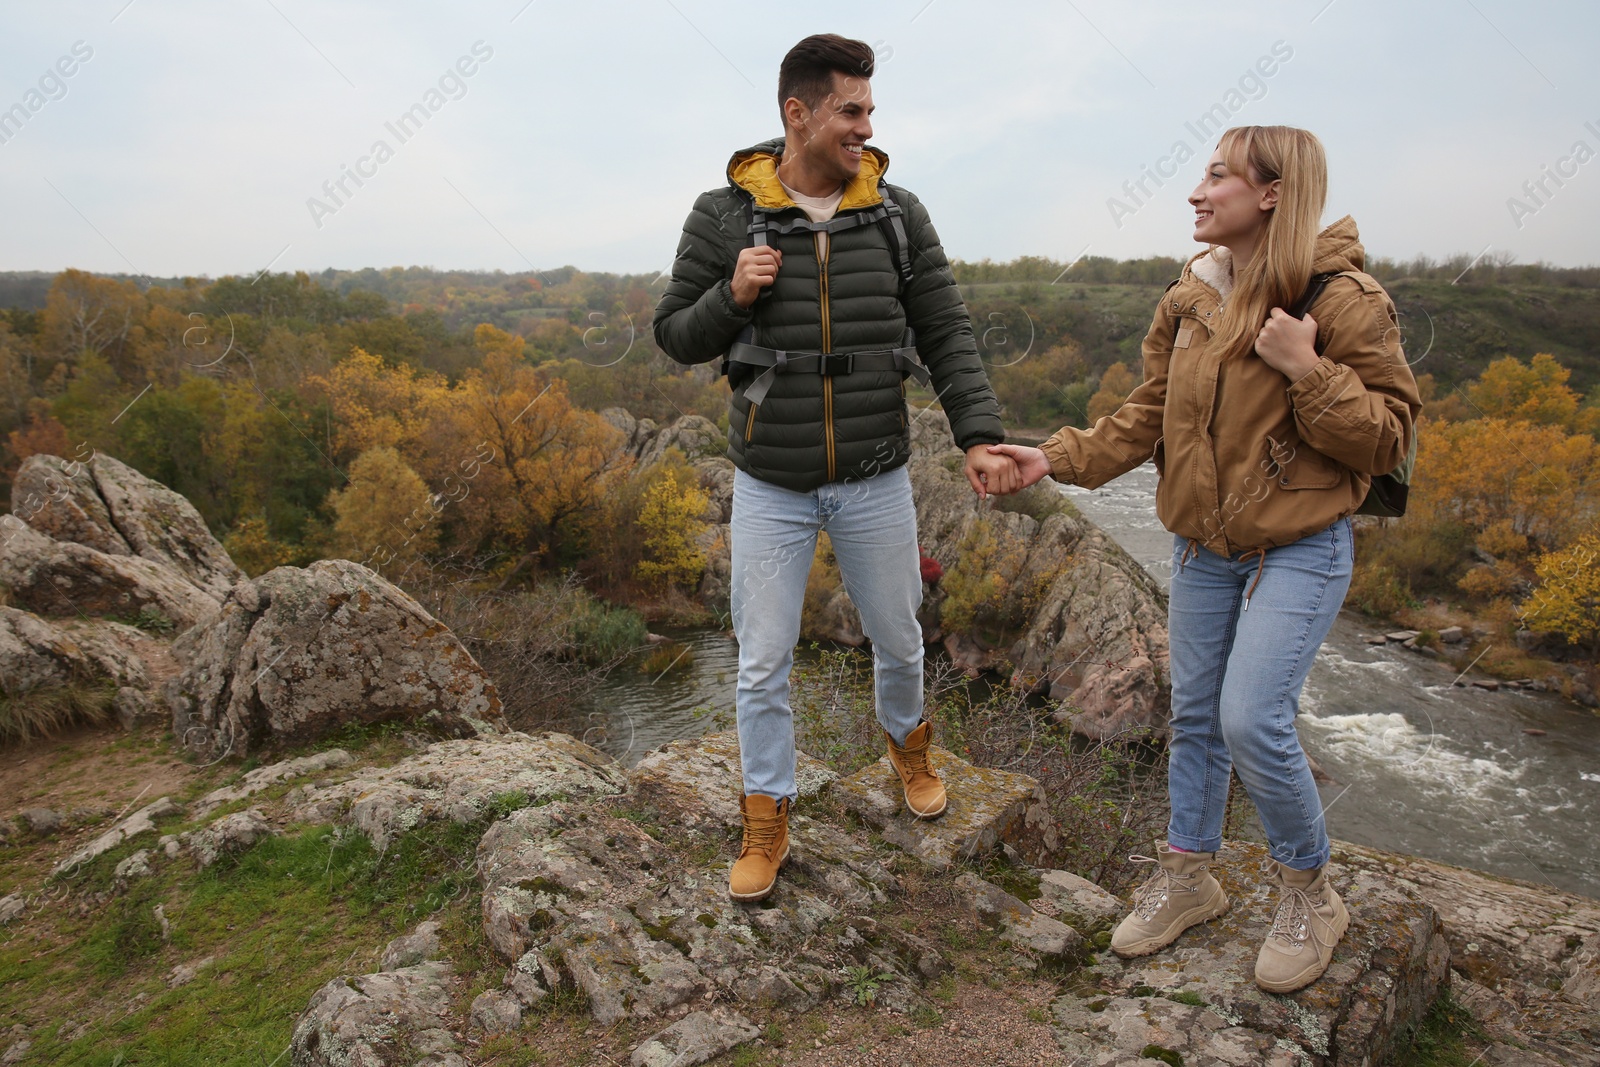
[
  {"x": 827, "y": 346},
  {"x": 750, "y": 424}
]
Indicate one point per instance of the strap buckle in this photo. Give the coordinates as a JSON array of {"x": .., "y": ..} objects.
[{"x": 833, "y": 363}]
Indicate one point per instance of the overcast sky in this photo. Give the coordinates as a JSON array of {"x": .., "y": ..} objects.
[{"x": 174, "y": 137}]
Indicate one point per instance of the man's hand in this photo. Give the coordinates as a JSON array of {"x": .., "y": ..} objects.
[
  {"x": 1031, "y": 463},
  {"x": 989, "y": 473},
  {"x": 756, "y": 269},
  {"x": 1289, "y": 345}
]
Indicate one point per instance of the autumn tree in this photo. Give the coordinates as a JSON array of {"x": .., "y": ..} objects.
[
  {"x": 385, "y": 516},
  {"x": 530, "y": 470},
  {"x": 671, "y": 523},
  {"x": 1535, "y": 392},
  {"x": 1538, "y": 480},
  {"x": 85, "y": 313},
  {"x": 1115, "y": 385},
  {"x": 1568, "y": 598},
  {"x": 375, "y": 404}
]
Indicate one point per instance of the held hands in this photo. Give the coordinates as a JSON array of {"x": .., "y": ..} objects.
[
  {"x": 756, "y": 269},
  {"x": 1031, "y": 464},
  {"x": 1288, "y": 345},
  {"x": 990, "y": 473}
]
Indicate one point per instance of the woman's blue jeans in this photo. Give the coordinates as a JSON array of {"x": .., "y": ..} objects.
[
  {"x": 1237, "y": 671},
  {"x": 872, "y": 523}
]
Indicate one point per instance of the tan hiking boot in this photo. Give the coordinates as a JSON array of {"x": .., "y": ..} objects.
[
  {"x": 765, "y": 848},
  {"x": 1179, "y": 893},
  {"x": 923, "y": 788},
  {"x": 1309, "y": 921}
]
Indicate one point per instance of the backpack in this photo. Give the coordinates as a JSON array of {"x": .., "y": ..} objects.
[
  {"x": 1387, "y": 494},
  {"x": 760, "y": 229}
]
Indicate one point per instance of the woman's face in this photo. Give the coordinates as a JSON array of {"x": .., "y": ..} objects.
[{"x": 1229, "y": 211}]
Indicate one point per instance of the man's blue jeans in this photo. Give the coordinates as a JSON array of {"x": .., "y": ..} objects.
[
  {"x": 873, "y": 526},
  {"x": 1237, "y": 671}
]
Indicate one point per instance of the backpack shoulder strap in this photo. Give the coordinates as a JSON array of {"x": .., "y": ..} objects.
[
  {"x": 1313, "y": 290},
  {"x": 894, "y": 228}
]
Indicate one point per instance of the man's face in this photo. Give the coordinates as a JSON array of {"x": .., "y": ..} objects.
[{"x": 834, "y": 134}]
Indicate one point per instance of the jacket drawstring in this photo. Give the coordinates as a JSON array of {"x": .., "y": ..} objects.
[
  {"x": 1190, "y": 551},
  {"x": 1261, "y": 555}
]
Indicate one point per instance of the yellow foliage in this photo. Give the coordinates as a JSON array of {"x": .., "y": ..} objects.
[
  {"x": 380, "y": 406},
  {"x": 530, "y": 470},
  {"x": 1534, "y": 392},
  {"x": 385, "y": 515},
  {"x": 671, "y": 523},
  {"x": 1568, "y": 598},
  {"x": 253, "y": 549},
  {"x": 1536, "y": 479}
]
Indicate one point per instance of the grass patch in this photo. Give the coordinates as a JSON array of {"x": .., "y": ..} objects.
[
  {"x": 1447, "y": 1037},
  {"x": 46, "y": 712},
  {"x": 279, "y": 920}
]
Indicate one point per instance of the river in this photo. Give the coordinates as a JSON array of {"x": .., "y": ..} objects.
[{"x": 1418, "y": 765}]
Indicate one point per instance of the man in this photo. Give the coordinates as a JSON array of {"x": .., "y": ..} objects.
[{"x": 814, "y": 317}]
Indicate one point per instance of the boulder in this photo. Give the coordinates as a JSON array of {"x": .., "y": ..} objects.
[
  {"x": 377, "y": 1020},
  {"x": 12, "y": 905},
  {"x": 63, "y": 578},
  {"x": 695, "y": 1038},
  {"x": 986, "y": 808},
  {"x": 627, "y": 900},
  {"x": 297, "y": 653},
  {"x": 1076, "y": 901},
  {"x": 408, "y": 949},
  {"x": 495, "y": 1012},
  {"x": 43, "y": 820},
  {"x": 229, "y": 834},
  {"x": 1018, "y": 924},
  {"x": 1198, "y": 997},
  {"x": 107, "y": 505},
  {"x": 458, "y": 780}
]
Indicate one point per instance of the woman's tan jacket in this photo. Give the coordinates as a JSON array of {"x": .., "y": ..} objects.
[{"x": 1247, "y": 459}]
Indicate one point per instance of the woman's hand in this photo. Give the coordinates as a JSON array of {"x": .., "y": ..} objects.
[
  {"x": 1031, "y": 462},
  {"x": 1289, "y": 345}
]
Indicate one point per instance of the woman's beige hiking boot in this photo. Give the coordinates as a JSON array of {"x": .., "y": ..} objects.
[
  {"x": 923, "y": 788},
  {"x": 1309, "y": 922},
  {"x": 765, "y": 847},
  {"x": 1179, "y": 893}
]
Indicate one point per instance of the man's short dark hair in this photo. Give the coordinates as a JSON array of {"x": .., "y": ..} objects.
[{"x": 807, "y": 71}]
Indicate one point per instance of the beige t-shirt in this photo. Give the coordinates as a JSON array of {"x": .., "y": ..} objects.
[{"x": 817, "y": 209}]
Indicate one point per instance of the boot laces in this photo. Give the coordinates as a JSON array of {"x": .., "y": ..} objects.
[
  {"x": 913, "y": 760},
  {"x": 760, "y": 832},
  {"x": 1148, "y": 897},
  {"x": 1296, "y": 919}
]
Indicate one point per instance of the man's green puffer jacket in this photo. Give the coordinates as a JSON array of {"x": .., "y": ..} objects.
[{"x": 810, "y": 428}]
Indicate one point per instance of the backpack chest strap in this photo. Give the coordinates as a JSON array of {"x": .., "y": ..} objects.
[{"x": 774, "y": 362}]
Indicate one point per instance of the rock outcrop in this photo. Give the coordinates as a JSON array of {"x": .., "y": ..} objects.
[
  {"x": 457, "y": 780},
  {"x": 297, "y": 653},
  {"x": 108, "y": 506},
  {"x": 38, "y": 654},
  {"x": 614, "y": 887},
  {"x": 65, "y": 578}
]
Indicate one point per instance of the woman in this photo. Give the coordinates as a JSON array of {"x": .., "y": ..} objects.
[{"x": 1266, "y": 431}]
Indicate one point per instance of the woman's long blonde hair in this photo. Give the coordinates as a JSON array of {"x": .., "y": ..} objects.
[{"x": 1280, "y": 268}]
